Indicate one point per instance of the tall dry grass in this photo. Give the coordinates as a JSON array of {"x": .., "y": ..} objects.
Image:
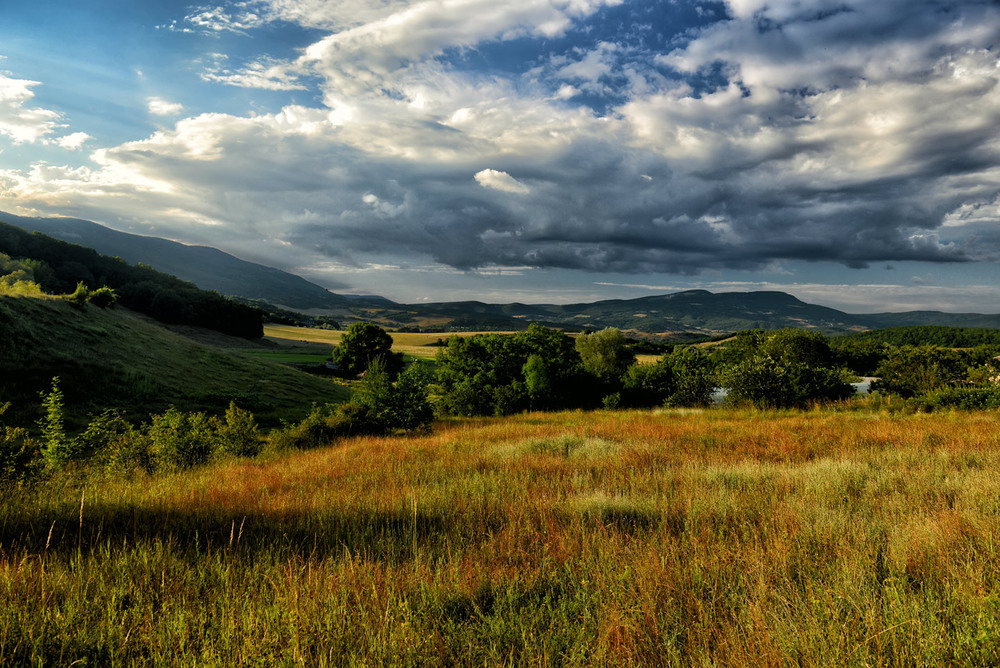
[{"x": 665, "y": 538}]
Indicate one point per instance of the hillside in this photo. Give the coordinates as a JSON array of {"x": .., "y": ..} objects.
[
  {"x": 118, "y": 358},
  {"x": 208, "y": 268}
]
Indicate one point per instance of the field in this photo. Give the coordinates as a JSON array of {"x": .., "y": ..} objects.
[
  {"x": 604, "y": 538},
  {"x": 412, "y": 345}
]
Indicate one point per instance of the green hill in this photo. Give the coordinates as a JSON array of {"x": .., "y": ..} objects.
[{"x": 117, "y": 358}]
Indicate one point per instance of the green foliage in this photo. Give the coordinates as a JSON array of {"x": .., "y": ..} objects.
[
  {"x": 490, "y": 374},
  {"x": 60, "y": 267},
  {"x": 103, "y": 297},
  {"x": 766, "y": 382},
  {"x": 962, "y": 398},
  {"x": 361, "y": 344},
  {"x": 605, "y": 354},
  {"x": 926, "y": 335},
  {"x": 648, "y": 385},
  {"x": 326, "y": 424},
  {"x": 861, "y": 355},
  {"x": 181, "y": 440},
  {"x": 537, "y": 382},
  {"x": 117, "y": 443},
  {"x": 788, "y": 368},
  {"x": 19, "y": 453},
  {"x": 238, "y": 433},
  {"x": 411, "y": 409},
  {"x": 694, "y": 378},
  {"x": 80, "y": 295},
  {"x": 402, "y": 405},
  {"x": 17, "y": 278},
  {"x": 911, "y": 371},
  {"x": 57, "y": 447}
]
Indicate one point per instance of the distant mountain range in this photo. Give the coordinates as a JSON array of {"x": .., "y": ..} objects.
[{"x": 693, "y": 312}]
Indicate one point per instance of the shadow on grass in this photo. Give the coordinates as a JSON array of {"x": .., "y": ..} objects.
[{"x": 390, "y": 537}]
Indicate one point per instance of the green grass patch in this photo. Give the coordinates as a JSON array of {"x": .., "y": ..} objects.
[{"x": 115, "y": 358}]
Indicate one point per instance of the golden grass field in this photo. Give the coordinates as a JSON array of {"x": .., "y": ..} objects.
[
  {"x": 719, "y": 537},
  {"x": 419, "y": 346}
]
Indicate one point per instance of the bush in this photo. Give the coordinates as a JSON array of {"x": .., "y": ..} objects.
[
  {"x": 19, "y": 454},
  {"x": 57, "y": 447},
  {"x": 181, "y": 440},
  {"x": 326, "y": 424},
  {"x": 80, "y": 295},
  {"x": 117, "y": 443},
  {"x": 238, "y": 433},
  {"x": 103, "y": 297},
  {"x": 400, "y": 406},
  {"x": 964, "y": 398}
]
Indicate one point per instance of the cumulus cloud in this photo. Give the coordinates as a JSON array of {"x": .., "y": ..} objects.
[
  {"x": 19, "y": 121},
  {"x": 848, "y": 132},
  {"x": 73, "y": 142},
  {"x": 160, "y": 107}
]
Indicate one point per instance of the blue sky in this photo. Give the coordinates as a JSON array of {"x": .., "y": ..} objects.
[{"x": 534, "y": 150}]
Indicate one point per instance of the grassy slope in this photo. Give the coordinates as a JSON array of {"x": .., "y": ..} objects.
[
  {"x": 580, "y": 539},
  {"x": 116, "y": 358}
]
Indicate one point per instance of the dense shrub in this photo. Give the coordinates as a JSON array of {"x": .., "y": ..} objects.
[
  {"x": 57, "y": 446},
  {"x": 326, "y": 424},
  {"x": 103, "y": 297},
  {"x": 913, "y": 371},
  {"x": 19, "y": 453},
  {"x": 238, "y": 433},
  {"x": 181, "y": 440}
]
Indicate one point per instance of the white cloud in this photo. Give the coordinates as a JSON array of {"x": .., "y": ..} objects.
[
  {"x": 491, "y": 178},
  {"x": 160, "y": 107},
  {"x": 18, "y": 121},
  {"x": 73, "y": 142},
  {"x": 265, "y": 74}
]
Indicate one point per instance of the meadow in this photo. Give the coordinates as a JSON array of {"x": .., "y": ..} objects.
[{"x": 635, "y": 538}]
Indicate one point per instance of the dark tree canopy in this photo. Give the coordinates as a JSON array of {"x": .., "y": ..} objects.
[
  {"x": 58, "y": 267},
  {"x": 361, "y": 345}
]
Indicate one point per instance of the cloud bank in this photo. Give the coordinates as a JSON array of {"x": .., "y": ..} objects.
[{"x": 605, "y": 136}]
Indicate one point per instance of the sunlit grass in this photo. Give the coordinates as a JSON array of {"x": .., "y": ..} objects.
[{"x": 577, "y": 538}]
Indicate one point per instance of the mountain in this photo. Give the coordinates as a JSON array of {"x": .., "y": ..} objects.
[
  {"x": 208, "y": 268},
  {"x": 689, "y": 313}
]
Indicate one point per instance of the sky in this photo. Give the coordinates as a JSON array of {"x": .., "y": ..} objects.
[{"x": 844, "y": 151}]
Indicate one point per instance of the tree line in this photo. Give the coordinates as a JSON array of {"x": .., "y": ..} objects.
[{"x": 58, "y": 267}]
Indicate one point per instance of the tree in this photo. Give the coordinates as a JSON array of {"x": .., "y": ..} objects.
[
  {"x": 767, "y": 382},
  {"x": 494, "y": 374},
  {"x": 536, "y": 379},
  {"x": 361, "y": 345},
  {"x": 605, "y": 354},
  {"x": 910, "y": 371},
  {"x": 693, "y": 375},
  {"x": 782, "y": 369}
]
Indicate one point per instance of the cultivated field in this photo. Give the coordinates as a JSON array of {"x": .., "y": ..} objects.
[
  {"x": 631, "y": 538},
  {"x": 412, "y": 345}
]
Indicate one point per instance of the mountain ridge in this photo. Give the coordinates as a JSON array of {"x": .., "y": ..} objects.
[{"x": 690, "y": 312}]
